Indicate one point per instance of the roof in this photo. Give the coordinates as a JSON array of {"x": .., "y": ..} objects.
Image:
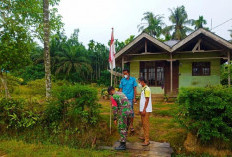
[
  {"x": 138, "y": 38},
  {"x": 170, "y": 43},
  {"x": 173, "y": 45}
]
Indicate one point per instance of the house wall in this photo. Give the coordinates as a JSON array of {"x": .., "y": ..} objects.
[
  {"x": 187, "y": 80},
  {"x": 134, "y": 72},
  {"x": 185, "y": 69}
]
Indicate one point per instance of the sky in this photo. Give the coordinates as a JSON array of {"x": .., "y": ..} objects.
[{"x": 95, "y": 18}]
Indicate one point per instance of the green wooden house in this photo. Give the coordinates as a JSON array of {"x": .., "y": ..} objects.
[{"x": 167, "y": 66}]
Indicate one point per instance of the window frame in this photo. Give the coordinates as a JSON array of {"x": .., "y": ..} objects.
[
  {"x": 155, "y": 66},
  {"x": 201, "y": 67}
]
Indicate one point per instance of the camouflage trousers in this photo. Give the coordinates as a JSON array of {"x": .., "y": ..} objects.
[{"x": 123, "y": 126}]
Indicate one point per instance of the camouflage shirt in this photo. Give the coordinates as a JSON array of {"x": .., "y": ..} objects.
[{"x": 123, "y": 106}]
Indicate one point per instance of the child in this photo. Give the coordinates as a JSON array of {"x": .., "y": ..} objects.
[
  {"x": 122, "y": 115},
  {"x": 145, "y": 109}
]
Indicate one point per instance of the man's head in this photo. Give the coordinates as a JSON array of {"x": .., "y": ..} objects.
[
  {"x": 142, "y": 81},
  {"x": 111, "y": 90},
  {"x": 126, "y": 73}
]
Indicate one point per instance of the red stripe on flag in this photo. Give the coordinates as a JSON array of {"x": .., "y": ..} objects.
[{"x": 111, "y": 42}]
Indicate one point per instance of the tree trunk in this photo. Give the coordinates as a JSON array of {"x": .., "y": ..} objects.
[
  {"x": 47, "y": 59},
  {"x": 4, "y": 83}
]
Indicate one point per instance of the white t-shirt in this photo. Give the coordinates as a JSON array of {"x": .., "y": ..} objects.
[{"x": 146, "y": 92}]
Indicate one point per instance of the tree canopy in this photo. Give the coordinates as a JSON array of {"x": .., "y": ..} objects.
[{"x": 153, "y": 24}]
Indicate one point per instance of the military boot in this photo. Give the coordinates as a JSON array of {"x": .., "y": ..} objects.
[{"x": 122, "y": 146}]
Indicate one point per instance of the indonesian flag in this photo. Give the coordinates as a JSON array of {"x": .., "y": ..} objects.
[{"x": 112, "y": 52}]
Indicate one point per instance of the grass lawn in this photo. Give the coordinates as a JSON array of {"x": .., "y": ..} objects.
[
  {"x": 15, "y": 148},
  {"x": 163, "y": 127}
]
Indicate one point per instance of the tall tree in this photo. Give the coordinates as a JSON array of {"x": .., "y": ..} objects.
[
  {"x": 180, "y": 22},
  {"x": 130, "y": 39},
  {"x": 230, "y": 34},
  {"x": 151, "y": 24},
  {"x": 72, "y": 59},
  {"x": 199, "y": 23},
  {"x": 20, "y": 21},
  {"x": 47, "y": 58},
  {"x": 15, "y": 41}
]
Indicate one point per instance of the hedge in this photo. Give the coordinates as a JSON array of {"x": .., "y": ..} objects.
[{"x": 206, "y": 112}]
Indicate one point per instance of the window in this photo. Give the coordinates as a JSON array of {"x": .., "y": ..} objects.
[
  {"x": 153, "y": 72},
  {"x": 201, "y": 69}
]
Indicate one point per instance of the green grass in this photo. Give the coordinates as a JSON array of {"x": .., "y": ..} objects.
[
  {"x": 13, "y": 148},
  {"x": 163, "y": 128}
]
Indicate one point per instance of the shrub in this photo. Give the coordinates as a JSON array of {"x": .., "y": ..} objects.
[
  {"x": 13, "y": 115},
  {"x": 37, "y": 87},
  {"x": 206, "y": 112},
  {"x": 30, "y": 73},
  {"x": 77, "y": 105}
]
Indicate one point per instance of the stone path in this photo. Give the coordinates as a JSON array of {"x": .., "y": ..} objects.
[{"x": 155, "y": 149}]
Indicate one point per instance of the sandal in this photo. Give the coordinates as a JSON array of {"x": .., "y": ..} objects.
[
  {"x": 146, "y": 144},
  {"x": 141, "y": 138}
]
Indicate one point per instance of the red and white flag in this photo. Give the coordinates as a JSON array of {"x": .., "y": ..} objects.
[{"x": 112, "y": 51}]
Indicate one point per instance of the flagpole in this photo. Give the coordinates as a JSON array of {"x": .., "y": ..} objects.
[
  {"x": 111, "y": 84},
  {"x": 111, "y": 104}
]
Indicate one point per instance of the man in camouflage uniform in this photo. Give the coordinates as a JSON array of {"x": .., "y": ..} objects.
[{"x": 122, "y": 112}]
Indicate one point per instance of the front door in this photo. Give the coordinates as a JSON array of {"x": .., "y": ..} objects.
[{"x": 175, "y": 78}]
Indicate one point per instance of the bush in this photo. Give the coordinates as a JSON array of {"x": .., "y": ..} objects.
[
  {"x": 14, "y": 115},
  {"x": 75, "y": 104},
  {"x": 70, "y": 117},
  {"x": 30, "y": 73},
  {"x": 206, "y": 112}
]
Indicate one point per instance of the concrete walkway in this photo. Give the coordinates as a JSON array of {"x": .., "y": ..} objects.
[{"x": 155, "y": 149}]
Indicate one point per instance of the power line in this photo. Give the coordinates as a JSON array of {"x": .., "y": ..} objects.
[{"x": 221, "y": 24}]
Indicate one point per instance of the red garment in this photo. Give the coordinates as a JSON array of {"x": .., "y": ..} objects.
[{"x": 113, "y": 102}]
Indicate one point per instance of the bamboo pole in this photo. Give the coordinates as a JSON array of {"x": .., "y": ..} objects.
[
  {"x": 111, "y": 83},
  {"x": 229, "y": 79}
]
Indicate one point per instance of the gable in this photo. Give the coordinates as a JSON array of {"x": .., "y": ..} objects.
[
  {"x": 200, "y": 39},
  {"x": 209, "y": 41},
  {"x": 142, "y": 43}
]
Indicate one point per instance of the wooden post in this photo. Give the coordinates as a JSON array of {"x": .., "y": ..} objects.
[
  {"x": 171, "y": 74},
  {"x": 122, "y": 63},
  {"x": 145, "y": 46},
  {"x": 228, "y": 53}
]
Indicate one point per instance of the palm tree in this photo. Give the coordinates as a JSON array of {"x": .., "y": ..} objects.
[
  {"x": 153, "y": 24},
  {"x": 47, "y": 60},
  {"x": 199, "y": 22},
  {"x": 230, "y": 34},
  {"x": 179, "y": 19},
  {"x": 70, "y": 60}
]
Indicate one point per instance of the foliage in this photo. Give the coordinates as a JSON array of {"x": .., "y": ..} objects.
[
  {"x": 225, "y": 73},
  {"x": 199, "y": 23},
  {"x": 206, "y": 112},
  {"x": 230, "y": 34},
  {"x": 71, "y": 57},
  {"x": 20, "y": 22},
  {"x": 30, "y": 73},
  {"x": 104, "y": 79},
  {"x": 153, "y": 25},
  {"x": 14, "y": 115},
  {"x": 74, "y": 104},
  {"x": 37, "y": 86},
  {"x": 180, "y": 21}
]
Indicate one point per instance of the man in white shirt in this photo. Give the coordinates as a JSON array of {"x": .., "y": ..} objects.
[{"x": 145, "y": 109}]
